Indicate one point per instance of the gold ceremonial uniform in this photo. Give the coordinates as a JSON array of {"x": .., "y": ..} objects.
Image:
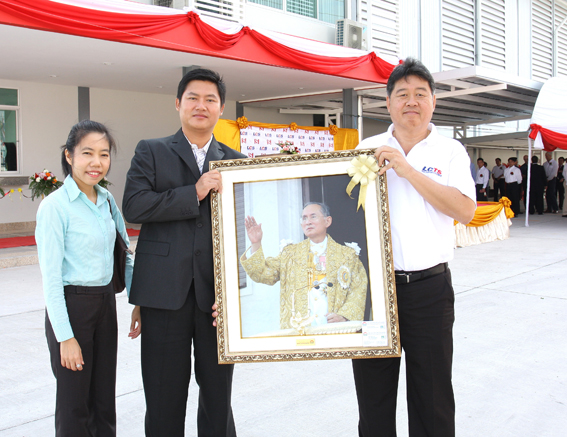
[{"x": 294, "y": 269}]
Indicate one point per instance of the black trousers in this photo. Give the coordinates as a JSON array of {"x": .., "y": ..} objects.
[
  {"x": 499, "y": 187},
  {"x": 536, "y": 200},
  {"x": 551, "y": 195},
  {"x": 513, "y": 193},
  {"x": 426, "y": 316},
  {"x": 167, "y": 336},
  {"x": 86, "y": 400},
  {"x": 560, "y": 193},
  {"x": 479, "y": 195}
]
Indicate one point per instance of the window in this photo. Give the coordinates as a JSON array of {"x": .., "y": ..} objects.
[
  {"x": 8, "y": 130},
  {"x": 325, "y": 10}
]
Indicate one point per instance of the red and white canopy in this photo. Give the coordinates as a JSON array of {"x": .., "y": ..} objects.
[
  {"x": 187, "y": 31},
  {"x": 549, "y": 119}
]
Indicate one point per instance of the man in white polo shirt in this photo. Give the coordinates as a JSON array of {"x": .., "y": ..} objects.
[
  {"x": 513, "y": 178},
  {"x": 498, "y": 177},
  {"x": 550, "y": 166},
  {"x": 481, "y": 181},
  {"x": 429, "y": 185}
]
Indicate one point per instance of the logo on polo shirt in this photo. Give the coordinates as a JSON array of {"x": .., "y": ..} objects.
[{"x": 432, "y": 170}]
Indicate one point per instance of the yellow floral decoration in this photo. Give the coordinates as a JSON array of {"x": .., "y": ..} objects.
[
  {"x": 293, "y": 126},
  {"x": 333, "y": 129},
  {"x": 242, "y": 122}
]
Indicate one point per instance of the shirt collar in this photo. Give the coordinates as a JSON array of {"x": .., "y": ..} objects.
[
  {"x": 194, "y": 147},
  {"x": 432, "y": 137},
  {"x": 74, "y": 192},
  {"x": 319, "y": 248}
]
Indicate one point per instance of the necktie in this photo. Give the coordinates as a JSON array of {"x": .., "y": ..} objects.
[{"x": 200, "y": 155}]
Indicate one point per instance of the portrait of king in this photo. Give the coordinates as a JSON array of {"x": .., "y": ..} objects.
[{"x": 320, "y": 280}]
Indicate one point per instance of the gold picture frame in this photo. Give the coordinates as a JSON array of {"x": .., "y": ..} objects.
[{"x": 254, "y": 322}]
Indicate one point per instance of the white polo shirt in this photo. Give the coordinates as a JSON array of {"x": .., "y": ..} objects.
[
  {"x": 551, "y": 168},
  {"x": 498, "y": 170},
  {"x": 513, "y": 174},
  {"x": 482, "y": 177},
  {"x": 423, "y": 237}
]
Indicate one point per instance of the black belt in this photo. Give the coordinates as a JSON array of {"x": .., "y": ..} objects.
[
  {"x": 409, "y": 277},
  {"x": 81, "y": 289}
]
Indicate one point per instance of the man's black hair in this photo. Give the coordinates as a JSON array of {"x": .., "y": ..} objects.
[
  {"x": 206, "y": 76},
  {"x": 410, "y": 67},
  {"x": 535, "y": 159}
]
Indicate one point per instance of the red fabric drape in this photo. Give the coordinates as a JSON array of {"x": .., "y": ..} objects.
[
  {"x": 551, "y": 140},
  {"x": 116, "y": 26},
  {"x": 90, "y": 22}
]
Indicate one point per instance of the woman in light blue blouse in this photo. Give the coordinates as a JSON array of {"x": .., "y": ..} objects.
[{"x": 75, "y": 234}]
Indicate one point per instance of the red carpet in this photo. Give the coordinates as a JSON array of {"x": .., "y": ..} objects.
[{"x": 6, "y": 243}]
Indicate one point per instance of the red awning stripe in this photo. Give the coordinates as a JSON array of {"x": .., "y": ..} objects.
[
  {"x": 551, "y": 140},
  {"x": 131, "y": 28}
]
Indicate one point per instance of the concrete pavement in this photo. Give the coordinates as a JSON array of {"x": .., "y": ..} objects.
[{"x": 510, "y": 366}]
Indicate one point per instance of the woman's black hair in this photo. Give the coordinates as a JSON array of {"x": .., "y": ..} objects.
[{"x": 78, "y": 132}]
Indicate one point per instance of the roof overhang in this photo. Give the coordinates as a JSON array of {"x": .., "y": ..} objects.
[{"x": 465, "y": 97}]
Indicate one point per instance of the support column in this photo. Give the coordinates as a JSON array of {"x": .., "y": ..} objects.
[
  {"x": 84, "y": 103},
  {"x": 350, "y": 108},
  {"x": 239, "y": 110}
]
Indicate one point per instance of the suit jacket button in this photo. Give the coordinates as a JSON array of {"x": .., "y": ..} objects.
[
  {"x": 199, "y": 225},
  {"x": 197, "y": 252}
]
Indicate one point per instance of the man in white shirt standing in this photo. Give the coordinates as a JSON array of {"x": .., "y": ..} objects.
[
  {"x": 551, "y": 167},
  {"x": 498, "y": 177},
  {"x": 481, "y": 182},
  {"x": 513, "y": 178},
  {"x": 429, "y": 186}
]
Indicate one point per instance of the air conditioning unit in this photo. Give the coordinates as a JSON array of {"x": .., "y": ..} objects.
[{"x": 351, "y": 34}]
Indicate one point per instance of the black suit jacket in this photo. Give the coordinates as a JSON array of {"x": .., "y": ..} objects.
[
  {"x": 175, "y": 243},
  {"x": 538, "y": 179}
]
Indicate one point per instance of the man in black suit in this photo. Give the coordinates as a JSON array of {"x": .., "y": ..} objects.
[
  {"x": 167, "y": 190},
  {"x": 538, "y": 181}
]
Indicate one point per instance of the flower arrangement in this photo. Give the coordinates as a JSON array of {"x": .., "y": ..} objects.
[
  {"x": 288, "y": 147},
  {"x": 43, "y": 184},
  {"x": 104, "y": 183}
]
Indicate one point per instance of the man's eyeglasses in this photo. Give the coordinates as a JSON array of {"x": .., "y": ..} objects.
[{"x": 312, "y": 217}]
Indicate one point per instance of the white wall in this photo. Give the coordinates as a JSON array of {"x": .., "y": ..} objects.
[
  {"x": 46, "y": 114},
  {"x": 131, "y": 117},
  {"x": 270, "y": 115}
]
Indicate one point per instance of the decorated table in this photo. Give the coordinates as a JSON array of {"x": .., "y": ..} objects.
[{"x": 491, "y": 222}]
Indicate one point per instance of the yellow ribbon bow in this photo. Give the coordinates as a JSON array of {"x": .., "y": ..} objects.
[
  {"x": 506, "y": 203},
  {"x": 364, "y": 169}
]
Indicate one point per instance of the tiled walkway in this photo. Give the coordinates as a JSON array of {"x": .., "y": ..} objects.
[{"x": 510, "y": 366}]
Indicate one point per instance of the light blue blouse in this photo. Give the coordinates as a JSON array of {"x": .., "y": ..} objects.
[{"x": 75, "y": 244}]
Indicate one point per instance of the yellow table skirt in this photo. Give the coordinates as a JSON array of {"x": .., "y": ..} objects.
[{"x": 491, "y": 222}]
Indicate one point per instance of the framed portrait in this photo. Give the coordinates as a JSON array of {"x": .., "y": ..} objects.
[{"x": 301, "y": 271}]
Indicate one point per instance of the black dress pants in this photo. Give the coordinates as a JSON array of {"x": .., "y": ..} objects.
[
  {"x": 426, "y": 316},
  {"x": 167, "y": 336},
  {"x": 513, "y": 193},
  {"x": 499, "y": 187},
  {"x": 480, "y": 196},
  {"x": 536, "y": 200},
  {"x": 86, "y": 399},
  {"x": 551, "y": 195},
  {"x": 560, "y": 193}
]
